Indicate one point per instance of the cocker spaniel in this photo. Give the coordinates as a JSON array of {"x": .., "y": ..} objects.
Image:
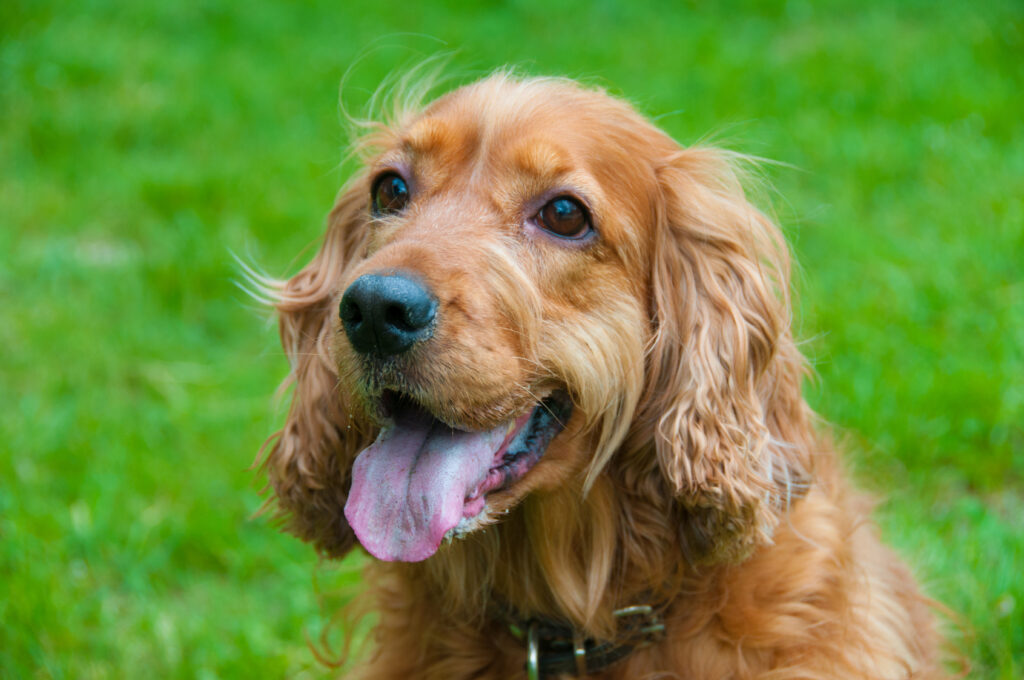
[{"x": 544, "y": 374}]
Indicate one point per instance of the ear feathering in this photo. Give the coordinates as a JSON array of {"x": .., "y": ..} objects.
[
  {"x": 309, "y": 459},
  {"x": 723, "y": 369}
]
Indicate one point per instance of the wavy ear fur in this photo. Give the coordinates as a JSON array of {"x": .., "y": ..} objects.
[
  {"x": 728, "y": 420},
  {"x": 311, "y": 457}
]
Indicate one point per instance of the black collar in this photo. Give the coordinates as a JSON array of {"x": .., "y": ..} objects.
[{"x": 554, "y": 648}]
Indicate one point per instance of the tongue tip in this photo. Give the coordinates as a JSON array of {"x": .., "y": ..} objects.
[
  {"x": 417, "y": 555},
  {"x": 393, "y": 546}
]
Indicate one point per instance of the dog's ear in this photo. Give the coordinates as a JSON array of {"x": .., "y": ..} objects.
[
  {"x": 311, "y": 457},
  {"x": 723, "y": 380}
]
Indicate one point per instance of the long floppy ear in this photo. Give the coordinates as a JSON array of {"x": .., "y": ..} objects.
[
  {"x": 311, "y": 457},
  {"x": 727, "y": 418}
]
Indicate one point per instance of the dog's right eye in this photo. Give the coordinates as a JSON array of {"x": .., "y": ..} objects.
[{"x": 390, "y": 194}]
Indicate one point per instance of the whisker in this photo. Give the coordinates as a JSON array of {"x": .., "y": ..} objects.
[{"x": 540, "y": 402}]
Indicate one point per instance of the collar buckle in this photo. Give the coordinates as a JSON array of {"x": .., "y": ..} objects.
[
  {"x": 638, "y": 626},
  {"x": 649, "y": 626}
]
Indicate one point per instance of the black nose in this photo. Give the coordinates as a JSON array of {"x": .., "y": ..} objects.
[{"x": 386, "y": 315}]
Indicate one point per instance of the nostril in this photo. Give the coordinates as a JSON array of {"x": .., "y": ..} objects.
[{"x": 349, "y": 311}]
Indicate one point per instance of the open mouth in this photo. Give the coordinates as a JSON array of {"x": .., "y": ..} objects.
[{"x": 422, "y": 480}]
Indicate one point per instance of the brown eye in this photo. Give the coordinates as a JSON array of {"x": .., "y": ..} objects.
[
  {"x": 565, "y": 217},
  {"x": 390, "y": 194}
]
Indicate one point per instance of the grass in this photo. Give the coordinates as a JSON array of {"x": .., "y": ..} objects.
[{"x": 141, "y": 143}]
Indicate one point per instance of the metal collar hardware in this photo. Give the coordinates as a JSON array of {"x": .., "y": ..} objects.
[{"x": 554, "y": 648}]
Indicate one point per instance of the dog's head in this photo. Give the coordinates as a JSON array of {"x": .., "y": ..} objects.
[{"x": 528, "y": 287}]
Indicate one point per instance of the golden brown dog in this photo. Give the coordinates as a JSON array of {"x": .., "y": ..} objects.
[{"x": 544, "y": 372}]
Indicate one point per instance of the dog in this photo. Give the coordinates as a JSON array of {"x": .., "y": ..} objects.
[{"x": 544, "y": 374}]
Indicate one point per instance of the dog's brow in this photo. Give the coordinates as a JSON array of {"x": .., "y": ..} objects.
[
  {"x": 426, "y": 136},
  {"x": 542, "y": 160}
]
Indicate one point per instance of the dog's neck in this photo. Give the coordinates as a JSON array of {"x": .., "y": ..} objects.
[{"x": 563, "y": 556}]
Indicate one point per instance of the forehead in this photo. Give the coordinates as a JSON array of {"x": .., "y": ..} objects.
[
  {"x": 500, "y": 126},
  {"x": 519, "y": 139},
  {"x": 529, "y": 146}
]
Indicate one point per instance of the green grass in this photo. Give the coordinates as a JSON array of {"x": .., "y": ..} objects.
[{"x": 140, "y": 143}]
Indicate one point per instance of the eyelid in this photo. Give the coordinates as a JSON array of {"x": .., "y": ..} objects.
[
  {"x": 399, "y": 167},
  {"x": 536, "y": 204},
  {"x": 382, "y": 174}
]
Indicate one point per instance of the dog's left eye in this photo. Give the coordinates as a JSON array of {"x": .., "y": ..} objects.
[
  {"x": 565, "y": 217},
  {"x": 390, "y": 194}
]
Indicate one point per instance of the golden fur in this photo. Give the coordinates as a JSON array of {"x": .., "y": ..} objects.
[{"x": 692, "y": 472}]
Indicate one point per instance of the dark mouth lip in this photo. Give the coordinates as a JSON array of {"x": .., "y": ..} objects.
[
  {"x": 548, "y": 418},
  {"x": 526, "y": 444}
]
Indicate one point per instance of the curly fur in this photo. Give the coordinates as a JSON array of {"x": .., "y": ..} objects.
[{"x": 692, "y": 472}]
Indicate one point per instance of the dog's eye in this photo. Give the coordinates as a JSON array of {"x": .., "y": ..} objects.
[
  {"x": 390, "y": 194},
  {"x": 565, "y": 217}
]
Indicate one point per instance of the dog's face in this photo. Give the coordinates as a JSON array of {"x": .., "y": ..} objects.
[
  {"x": 500, "y": 302},
  {"x": 501, "y": 240}
]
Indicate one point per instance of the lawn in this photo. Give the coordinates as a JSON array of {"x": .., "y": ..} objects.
[{"x": 142, "y": 143}]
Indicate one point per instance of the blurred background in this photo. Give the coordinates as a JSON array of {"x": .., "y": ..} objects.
[{"x": 141, "y": 143}]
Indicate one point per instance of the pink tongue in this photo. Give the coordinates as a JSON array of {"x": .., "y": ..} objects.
[{"x": 409, "y": 487}]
